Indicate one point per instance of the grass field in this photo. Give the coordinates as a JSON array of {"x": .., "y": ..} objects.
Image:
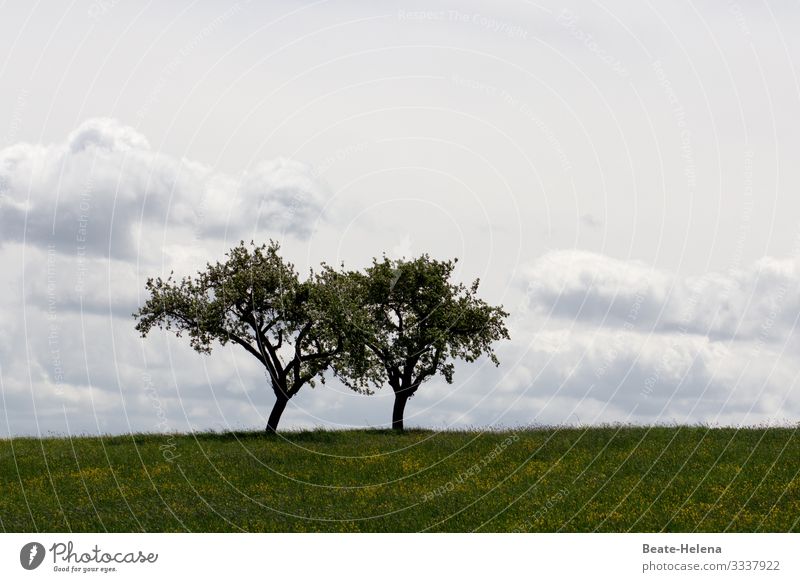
[{"x": 676, "y": 479}]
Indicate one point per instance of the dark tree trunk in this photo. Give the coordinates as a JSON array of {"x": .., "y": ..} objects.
[
  {"x": 400, "y": 399},
  {"x": 275, "y": 415}
]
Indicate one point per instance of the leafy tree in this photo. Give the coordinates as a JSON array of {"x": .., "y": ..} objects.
[
  {"x": 256, "y": 300},
  {"x": 407, "y": 322}
]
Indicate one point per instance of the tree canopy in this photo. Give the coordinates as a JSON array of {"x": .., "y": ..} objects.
[
  {"x": 256, "y": 300},
  {"x": 408, "y": 322},
  {"x": 397, "y": 322}
]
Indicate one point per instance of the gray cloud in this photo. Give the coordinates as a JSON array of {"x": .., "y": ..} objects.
[
  {"x": 759, "y": 301},
  {"x": 92, "y": 193}
]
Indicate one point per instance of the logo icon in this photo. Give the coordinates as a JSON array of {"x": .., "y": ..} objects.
[{"x": 31, "y": 555}]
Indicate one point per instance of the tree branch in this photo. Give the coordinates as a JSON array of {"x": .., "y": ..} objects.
[
  {"x": 248, "y": 347},
  {"x": 268, "y": 353},
  {"x": 377, "y": 351},
  {"x": 429, "y": 370},
  {"x": 322, "y": 355},
  {"x": 400, "y": 326}
]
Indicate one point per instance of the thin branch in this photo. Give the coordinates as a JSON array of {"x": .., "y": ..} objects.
[
  {"x": 399, "y": 314},
  {"x": 322, "y": 355},
  {"x": 383, "y": 355}
]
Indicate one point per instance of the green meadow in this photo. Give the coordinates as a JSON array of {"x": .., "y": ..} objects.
[{"x": 608, "y": 479}]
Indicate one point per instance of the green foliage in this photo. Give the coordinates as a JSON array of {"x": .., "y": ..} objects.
[
  {"x": 408, "y": 321},
  {"x": 608, "y": 479},
  {"x": 398, "y": 322},
  {"x": 256, "y": 300}
]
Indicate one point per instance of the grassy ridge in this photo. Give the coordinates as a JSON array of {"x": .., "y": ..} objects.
[{"x": 597, "y": 479}]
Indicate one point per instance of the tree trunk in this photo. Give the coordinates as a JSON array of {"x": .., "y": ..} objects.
[
  {"x": 275, "y": 415},
  {"x": 400, "y": 399}
]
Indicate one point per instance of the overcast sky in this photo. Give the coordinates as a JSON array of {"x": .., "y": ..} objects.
[{"x": 622, "y": 176}]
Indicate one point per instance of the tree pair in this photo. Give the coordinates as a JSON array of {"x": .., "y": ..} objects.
[{"x": 398, "y": 322}]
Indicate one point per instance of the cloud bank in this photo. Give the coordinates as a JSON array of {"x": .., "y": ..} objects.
[
  {"x": 759, "y": 301},
  {"x": 105, "y": 191},
  {"x": 595, "y": 339}
]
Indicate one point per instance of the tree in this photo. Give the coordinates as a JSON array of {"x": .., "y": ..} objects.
[
  {"x": 407, "y": 322},
  {"x": 256, "y": 300}
]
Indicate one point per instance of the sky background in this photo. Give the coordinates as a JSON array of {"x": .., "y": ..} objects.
[{"x": 621, "y": 176}]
